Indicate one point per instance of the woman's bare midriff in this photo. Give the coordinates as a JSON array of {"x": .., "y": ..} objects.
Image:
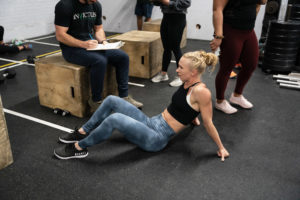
[{"x": 172, "y": 122}]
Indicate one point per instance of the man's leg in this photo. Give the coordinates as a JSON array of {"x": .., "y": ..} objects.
[
  {"x": 139, "y": 22},
  {"x": 93, "y": 59},
  {"x": 120, "y": 60},
  {"x": 139, "y": 15},
  {"x": 148, "y": 12}
]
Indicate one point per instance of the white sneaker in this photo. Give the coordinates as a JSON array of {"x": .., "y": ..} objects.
[
  {"x": 176, "y": 82},
  {"x": 241, "y": 101},
  {"x": 160, "y": 77},
  {"x": 225, "y": 107}
]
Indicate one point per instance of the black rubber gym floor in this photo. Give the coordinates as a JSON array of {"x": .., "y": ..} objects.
[{"x": 263, "y": 142}]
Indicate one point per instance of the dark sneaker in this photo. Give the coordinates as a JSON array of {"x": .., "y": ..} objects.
[
  {"x": 69, "y": 151},
  {"x": 73, "y": 137}
]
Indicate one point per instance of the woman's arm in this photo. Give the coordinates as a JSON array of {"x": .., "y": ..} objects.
[
  {"x": 203, "y": 97},
  {"x": 218, "y": 7}
]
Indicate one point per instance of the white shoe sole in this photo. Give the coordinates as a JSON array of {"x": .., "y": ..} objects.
[
  {"x": 71, "y": 157},
  {"x": 159, "y": 81},
  {"x": 229, "y": 113},
  {"x": 232, "y": 102},
  {"x": 67, "y": 141}
]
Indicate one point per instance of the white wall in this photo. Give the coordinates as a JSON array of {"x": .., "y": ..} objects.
[
  {"x": 31, "y": 18},
  {"x": 26, "y": 18}
]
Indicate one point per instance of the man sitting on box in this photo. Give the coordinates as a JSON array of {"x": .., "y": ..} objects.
[{"x": 79, "y": 27}]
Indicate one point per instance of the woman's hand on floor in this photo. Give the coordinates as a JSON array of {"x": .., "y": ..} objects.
[{"x": 223, "y": 153}]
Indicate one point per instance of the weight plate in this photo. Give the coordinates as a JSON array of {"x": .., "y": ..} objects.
[
  {"x": 283, "y": 32},
  {"x": 272, "y": 7},
  {"x": 295, "y": 7},
  {"x": 294, "y": 2},
  {"x": 290, "y": 25},
  {"x": 281, "y": 50},
  {"x": 280, "y": 44},
  {"x": 295, "y": 14},
  {"x": 295, "y": 18},
  {"x": 279, "y": 62},
  {"x": 280, "y": 56},
  {"x": 297, "y": 67},
  {"x": 287, "y": 38},
  {"x": 277, "y": 68}
]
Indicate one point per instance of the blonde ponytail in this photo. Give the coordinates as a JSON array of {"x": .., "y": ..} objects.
[{"x": 200, "y": 60}]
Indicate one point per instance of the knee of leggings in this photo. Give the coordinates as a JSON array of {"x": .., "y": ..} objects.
[
  {"x": 111, "y": 98},
  {"x": 114, "y": 118}
]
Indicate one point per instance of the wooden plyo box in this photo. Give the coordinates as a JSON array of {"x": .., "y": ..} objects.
[
  {"x": 6, "y": 157},
  {"x": 145, "y": 52},
  {"x": 154, "y": 26},
  {"x": 66, "y": 86}
]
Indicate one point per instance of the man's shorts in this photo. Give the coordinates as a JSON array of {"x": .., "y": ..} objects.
[{"x": 143, "y": 9}]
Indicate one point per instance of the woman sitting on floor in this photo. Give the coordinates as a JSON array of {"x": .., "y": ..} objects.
[{"x": 151, "y": 134}]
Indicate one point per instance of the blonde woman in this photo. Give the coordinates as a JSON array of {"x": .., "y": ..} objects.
[{"x": 151, "y": 134}]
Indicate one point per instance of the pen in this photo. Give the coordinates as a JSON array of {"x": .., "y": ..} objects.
[{"x": 91, "y": 36}]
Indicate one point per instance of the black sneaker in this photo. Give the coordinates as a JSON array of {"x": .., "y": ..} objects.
[
  {"x": 69, "y": 151},
  {"x": 73, "y": 137}
]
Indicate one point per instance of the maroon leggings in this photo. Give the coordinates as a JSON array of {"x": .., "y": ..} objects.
[{"x": 238, "y": 45}]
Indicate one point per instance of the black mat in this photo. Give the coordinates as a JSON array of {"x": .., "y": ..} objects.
[
  {"x": 3, "y": 62},
  {"x": 263, "y": 142}
]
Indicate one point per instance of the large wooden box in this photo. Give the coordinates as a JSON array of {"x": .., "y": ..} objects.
[
  {"x": 154, "y": 25},
  {"x": 145, "y": 52},
  {"x": 66, "y": 86},
  {"x": 6, "y": 157}
]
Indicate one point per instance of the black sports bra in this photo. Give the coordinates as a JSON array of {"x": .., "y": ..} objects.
[{"x": 180, "y": 109}]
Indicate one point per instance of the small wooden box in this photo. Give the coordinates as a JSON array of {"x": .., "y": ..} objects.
[
  {"x": 154, "y": 26},
  {"x": 145, "y": 52},
  {"x": 6, "y": 157},
  {"x": 66, "y": 86}
]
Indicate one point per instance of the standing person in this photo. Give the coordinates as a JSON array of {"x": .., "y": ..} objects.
[
  {"x": 151, "y": 134},
  {"x": 5, "y": 48},
  {"x": 234, "y": 22},
  {"x": 143, "y": 8},
  {"x": 78, "y": 27},
  {"x": 171, "y": 30}
]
